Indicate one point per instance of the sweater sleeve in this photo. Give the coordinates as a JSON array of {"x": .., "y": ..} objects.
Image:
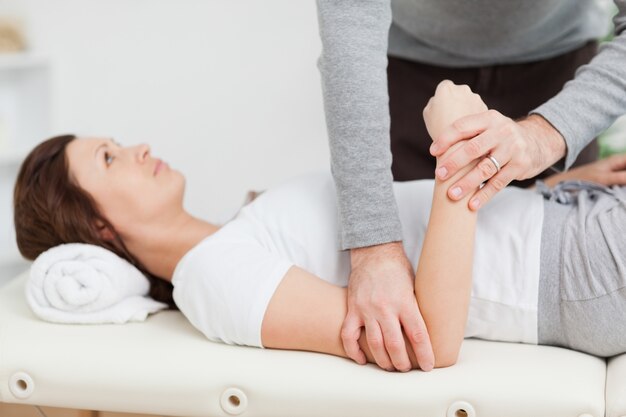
[
  {"x": 590, "y": 102},
  {"x": 353, "y": 68}
]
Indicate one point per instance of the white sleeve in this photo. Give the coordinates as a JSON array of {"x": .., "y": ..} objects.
[{"x": 223, "y": 287}]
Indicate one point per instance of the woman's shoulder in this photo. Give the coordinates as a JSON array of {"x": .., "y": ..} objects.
[{"x": 216, "y": 248}]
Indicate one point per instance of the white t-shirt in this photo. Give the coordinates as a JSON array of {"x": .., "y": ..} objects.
[{"x": 223, "y": 285}]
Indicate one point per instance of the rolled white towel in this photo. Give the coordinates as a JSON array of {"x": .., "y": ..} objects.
[{"x": 88, "y": 284}]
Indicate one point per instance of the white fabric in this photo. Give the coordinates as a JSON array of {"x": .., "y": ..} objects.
[
  {"x": 81, "y": 283},
  {"x": 224, "y": 284}
]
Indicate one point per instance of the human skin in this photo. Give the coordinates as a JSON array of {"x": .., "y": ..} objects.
[
  {"x": 523, "y": 148},
  {"x": 607, "y": 171},
  {"x": 147, "y": 211},
  {"x": 442, "y": 287},
  {"x": 381, "y": 300},
  {"x": 145, "y": 208}
]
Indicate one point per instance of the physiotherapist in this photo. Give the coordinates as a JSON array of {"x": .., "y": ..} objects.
[{"x": 534, "y": 62}]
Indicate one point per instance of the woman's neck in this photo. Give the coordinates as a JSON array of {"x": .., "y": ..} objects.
[{"x": 162, "y": 247}]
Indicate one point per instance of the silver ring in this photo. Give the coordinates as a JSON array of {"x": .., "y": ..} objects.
[{"x": 495, "y": 162}]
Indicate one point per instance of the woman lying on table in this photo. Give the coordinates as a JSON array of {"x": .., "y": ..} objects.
[{"x": 533, "y": 267}]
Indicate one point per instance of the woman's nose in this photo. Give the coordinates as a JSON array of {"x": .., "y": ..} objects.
[{"x": 142, "y": 152}]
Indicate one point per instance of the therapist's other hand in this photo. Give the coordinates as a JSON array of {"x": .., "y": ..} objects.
[
  {"x": 522, "y": 148},
  {"x": 381, "y": 298}
]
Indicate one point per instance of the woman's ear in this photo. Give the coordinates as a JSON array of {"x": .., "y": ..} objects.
[{"x": 104, "y": 231}]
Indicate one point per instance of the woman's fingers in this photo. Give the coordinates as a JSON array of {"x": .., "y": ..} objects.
[
  {"x": 617, "y": 162},
  {"x": 617, "y": 178}
]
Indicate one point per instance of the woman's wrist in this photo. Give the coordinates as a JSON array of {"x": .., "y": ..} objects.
[{"x": 554, "y": 179}]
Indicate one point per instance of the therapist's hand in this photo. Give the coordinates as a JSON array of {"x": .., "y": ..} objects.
[
  {"x": 381, "y": 298},
  {"x": 523, "y": 149}
]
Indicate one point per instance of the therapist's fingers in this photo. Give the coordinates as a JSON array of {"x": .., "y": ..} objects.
[
  {"x": 491, "y": 188},
  {"x": 464, "y": 128},
  {"x": 467, "y": 152},
  {"x": 520, "y": 151},
  {"x": 394, "y": 343},
  {"x": 485, "y": 170},
  {"x": 376, "y": 343},
  {"x": 415, "y": 330},
  {"x": 350, "y": 333}
]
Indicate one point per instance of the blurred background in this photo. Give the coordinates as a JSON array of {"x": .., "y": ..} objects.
[{"x": 226, "y": 91}]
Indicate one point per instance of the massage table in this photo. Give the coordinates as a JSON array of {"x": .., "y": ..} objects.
[{"x": 165, "y": 366}]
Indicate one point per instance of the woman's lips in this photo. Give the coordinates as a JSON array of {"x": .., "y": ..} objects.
[{"x": 159, "y": 165}]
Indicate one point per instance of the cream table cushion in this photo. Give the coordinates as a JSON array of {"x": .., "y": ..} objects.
[{"x": 164, "y": 366}]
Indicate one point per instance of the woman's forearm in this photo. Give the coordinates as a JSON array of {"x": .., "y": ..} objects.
[
  {"x": 580, "y": 173},
  {"x": 554, "y": 179},
  {"x": 443, "y": 279}
]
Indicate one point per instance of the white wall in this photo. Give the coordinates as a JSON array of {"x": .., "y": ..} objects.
[{"x": 227, "y": 91}]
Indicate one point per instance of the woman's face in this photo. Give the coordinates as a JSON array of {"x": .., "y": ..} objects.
[{"x": 131, "y": 188}]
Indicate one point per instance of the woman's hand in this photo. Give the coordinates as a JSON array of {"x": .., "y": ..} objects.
[
  {"x": 607, "y": 171},
  {"x": 450, "y": 103}
]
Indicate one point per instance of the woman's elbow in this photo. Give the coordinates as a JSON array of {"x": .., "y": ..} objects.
[
  {"x": 446, "y": 348},
  {"x": 444, "y": 362},
  {"x": 442, "y": 359},
  {"x": 446, "y": 357}
]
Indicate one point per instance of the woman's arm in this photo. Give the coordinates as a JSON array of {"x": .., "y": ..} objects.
[
  {"x": 443, "y": 279},
  {"x": 306, "y": 312},
  {"x": 607, "y": 171}
]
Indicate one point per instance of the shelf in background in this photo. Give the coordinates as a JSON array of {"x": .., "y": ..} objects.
[
  {"x": 25, "y": 100},
  {"x": 21, "y": 60}
]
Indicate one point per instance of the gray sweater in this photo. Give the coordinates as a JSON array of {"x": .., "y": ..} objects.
[{"x": 357, "y": 35}]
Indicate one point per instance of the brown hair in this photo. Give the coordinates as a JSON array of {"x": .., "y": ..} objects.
[{"x": 49, "y": 209}]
